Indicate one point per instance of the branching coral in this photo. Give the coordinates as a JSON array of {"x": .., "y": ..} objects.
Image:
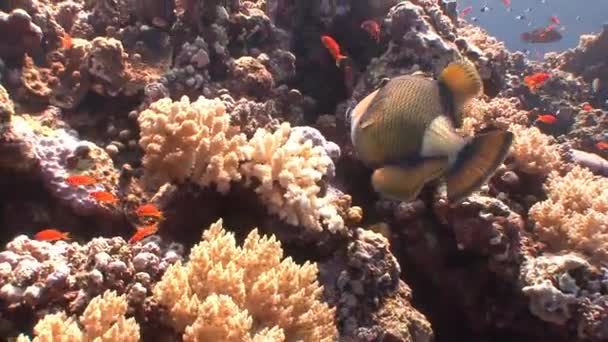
[
  {"x": 195, "y": 141},
  {"x": 103, "y": 320},
  {"x": 575, "y": 214},
  {"x": 247, "y": 293}
]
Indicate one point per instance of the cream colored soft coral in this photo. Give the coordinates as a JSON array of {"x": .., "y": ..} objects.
[
  {"x": 534, "y": 151},
  {"x": 289, "y": 171},
  {"x": 575, "y": 214},
  {"x": 498, "y": 111},
  {"x": 102, "y": 321},
  {"x": 248, "y": 293},
  {"x": 191, "y": 140}
]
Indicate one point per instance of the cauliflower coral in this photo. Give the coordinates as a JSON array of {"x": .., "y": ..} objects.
[
  {"x": 248, "y": 293},
  {"x": 534, "y": 151},
  {"x": 191, "y": 140},
  {"x": 195, "y": 141},
  {"x": 102, "y": 321},
  {"x": 575, "y": 214}
]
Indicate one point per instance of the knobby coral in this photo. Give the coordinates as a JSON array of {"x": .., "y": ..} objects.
[
  {"x": 248, "y": 293},
  {"x": 103, "y": 320}
]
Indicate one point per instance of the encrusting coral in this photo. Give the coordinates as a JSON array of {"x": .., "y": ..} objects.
[
  {"x": 103, "y": 321},
  {"x": 247, "y": 293},
  {"x": 195, "y": 141}
]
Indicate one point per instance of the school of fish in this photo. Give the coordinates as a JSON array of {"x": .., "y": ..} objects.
[{"x": 149, "y": 214}]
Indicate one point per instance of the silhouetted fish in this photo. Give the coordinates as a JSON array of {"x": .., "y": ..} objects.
[{"x": 541, "y": 35}]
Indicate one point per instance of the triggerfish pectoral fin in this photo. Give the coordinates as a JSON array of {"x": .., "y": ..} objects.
[
  {"x": 476, "y": 162},
  {"x": 403, "y": 183}
]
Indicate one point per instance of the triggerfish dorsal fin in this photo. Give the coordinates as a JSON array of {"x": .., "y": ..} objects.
[
  {"x": 403, "y": 183},
  {"x": 463, "y": 81},
  {"x": 476, "y": 162}
]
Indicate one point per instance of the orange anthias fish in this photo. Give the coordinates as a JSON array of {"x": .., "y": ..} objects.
[
  {"x": 466, "y": 11},
  {"x": 148, "y": 210},
  {"x": 143, "y": 232},
  {"x": 80, "y": 180},
  {"x": 587, "y": 107},
  {"x": 333, "y": 48},
  {"x": 104, "y": 197},
  {"x": 555, "y": 20},
  {"x": 536, "y": 80},
  {"x": 373, "y": 28},
  {"x": 547, "y": 118},
  {"x": 66, "y": 41},
  {"x": 602, "y": 145},
  {"x": 51, "y": 235}
]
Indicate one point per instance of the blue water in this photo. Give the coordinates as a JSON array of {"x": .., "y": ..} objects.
[{"x": 503, "y": 24}]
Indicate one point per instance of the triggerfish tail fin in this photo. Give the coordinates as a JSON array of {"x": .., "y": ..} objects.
[
  {"x": 463, "y": 81},
  {"x": 403, "y": 183},
  {"x": 476, "y": 162}
]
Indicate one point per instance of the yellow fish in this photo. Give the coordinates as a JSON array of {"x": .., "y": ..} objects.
[{"x": 405, "y": 130}]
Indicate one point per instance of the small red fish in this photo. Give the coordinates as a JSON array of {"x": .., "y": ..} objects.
[
  {"x": 143, "y": 232},
  {"x": 602, "y": 145},
  {"x": 66, "y": 41},
  {"x": 148, "y": 210},
  {"x": 555, "y": 20},
  {"x": 465, "y": 11},
  {"x": 506, "y": 2},
  {"x": 536, "y": 80},
  {"x": 587, "y": 107},
  {"x": 547, "y": 118},
  {"x": 104, "y": 197},
  {"x": 373, "y": 28},
  {"x": 80, "y": 180},
  {"x": 333, "y": 48},
  {"x": 51, "y": 235}
]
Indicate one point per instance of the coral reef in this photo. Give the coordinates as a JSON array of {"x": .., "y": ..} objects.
[
  {"x": 587, "y": 60},
  {"x": 58, "y": 153},
  {"x": 43, "y": 274},
  {"x": 372, "y": 302},
  {"x": 186, "y": 114},
  {"x": 19, "y": 34},
  {"x": 566, "y": 288}
]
